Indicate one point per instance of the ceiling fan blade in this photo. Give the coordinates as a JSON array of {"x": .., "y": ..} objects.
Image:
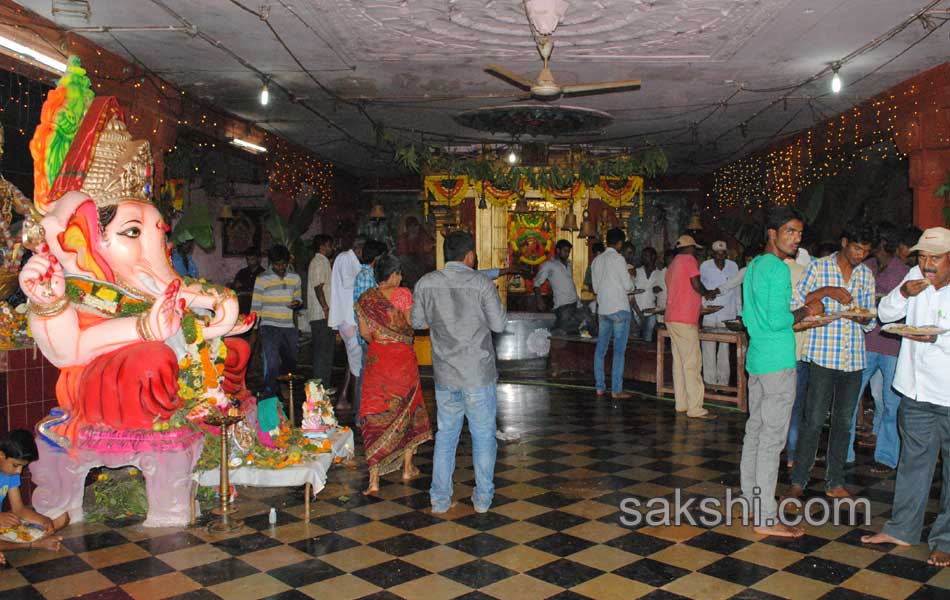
[
  {"x": 587, "y": 88},
  {"x": 507, "y": 75}
]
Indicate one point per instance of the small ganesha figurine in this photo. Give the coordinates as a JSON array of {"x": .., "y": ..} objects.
[{"x": 318, "y": 417}]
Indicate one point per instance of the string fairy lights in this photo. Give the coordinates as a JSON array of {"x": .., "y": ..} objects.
[
  {"x": 160, "y": 110},
  {"x": 779, "y": 175}
]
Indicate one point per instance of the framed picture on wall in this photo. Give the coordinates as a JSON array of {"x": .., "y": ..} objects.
[
  {"x": 531, "y": 239},
  {"x": 245, "y": 230}
]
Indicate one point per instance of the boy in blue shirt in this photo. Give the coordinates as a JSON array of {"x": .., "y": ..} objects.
[{"x": 16, "y": 452}]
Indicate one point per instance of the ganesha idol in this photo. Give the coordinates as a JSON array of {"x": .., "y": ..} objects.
[{"x": 137, "y": 346}]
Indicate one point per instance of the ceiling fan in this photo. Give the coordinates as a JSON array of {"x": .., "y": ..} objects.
[{"x": 545, "y": 88}]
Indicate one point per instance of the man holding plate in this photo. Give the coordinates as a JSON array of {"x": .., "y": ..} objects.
[
  {"x": 835, "y": 354},
  {"x": 922, "y": 377}
]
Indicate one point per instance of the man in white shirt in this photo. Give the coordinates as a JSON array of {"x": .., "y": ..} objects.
[
  {"x": 668, "y": 257},
  {"x": 322, "y": 337},
  {"x": 651, "y": 280},
  {"x": 714, "y": 273},
  {"x": 569, "y": 312},
  {"x": 342, "y": 315},
  {"x": 612, "y": 284},
  {"x": 922, "y": 378}
]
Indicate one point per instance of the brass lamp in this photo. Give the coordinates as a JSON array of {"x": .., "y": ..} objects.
[
  {"x": 226, "y": 213},
  {"x": 588, "y": 228}
]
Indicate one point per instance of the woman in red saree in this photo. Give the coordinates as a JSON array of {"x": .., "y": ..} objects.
[{"x": 394, "y": 415}]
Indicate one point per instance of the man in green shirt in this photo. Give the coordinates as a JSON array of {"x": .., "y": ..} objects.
[{"x": 766, "y": 313}]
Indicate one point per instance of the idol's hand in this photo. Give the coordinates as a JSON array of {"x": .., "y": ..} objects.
[{"x": 42, "y": 278}]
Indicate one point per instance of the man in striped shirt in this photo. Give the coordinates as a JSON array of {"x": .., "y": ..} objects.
[
  {"x": 276, "y": 297},
  {"x": 836, "y": 357}
]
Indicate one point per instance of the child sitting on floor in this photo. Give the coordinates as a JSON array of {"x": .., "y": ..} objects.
[{"x": 17, "y": 451}]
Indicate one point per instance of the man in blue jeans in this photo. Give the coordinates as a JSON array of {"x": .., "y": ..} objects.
[
  {"x": 461, "y": 308},
  {"x": 612, "y": 284},
  {"x": 888, "y": 271}
]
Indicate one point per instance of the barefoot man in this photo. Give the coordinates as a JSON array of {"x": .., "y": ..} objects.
[
  {"x": 767, "y": 296},
  {"x": 923, "y": 378}
]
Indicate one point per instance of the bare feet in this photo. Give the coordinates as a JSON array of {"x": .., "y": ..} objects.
[
  {"x": 371, "y": 490},
  {"x": 794, "y": 491},
  {"x": 882, "y": 538},
  {"x": 838, "y": 492},
  {"x": 939, "y": 558},
  {"x": 780, "y": 530},
  {"x": 49, "y": 543},
  {"x": 410, "y": 475}
]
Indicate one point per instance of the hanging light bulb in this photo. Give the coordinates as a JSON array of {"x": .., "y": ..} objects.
[
  {"x": 836, "y": 81},
  {"x": 265, "y": 94},
  {"x": 512, "y": 157}
]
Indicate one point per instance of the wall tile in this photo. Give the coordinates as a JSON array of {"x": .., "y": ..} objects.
[
  {"x": 16, "y": 387},
  {"x": 16, "y": 359},
  {"x": 34, "y": 358}
]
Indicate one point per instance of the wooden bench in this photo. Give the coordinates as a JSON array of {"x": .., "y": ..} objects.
[{"x": 575, "y": 355}]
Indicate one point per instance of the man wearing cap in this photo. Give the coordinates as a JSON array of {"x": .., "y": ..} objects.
[
  {"x": 713, "y": 273},
  {"x": 923, "y": 298},
  {"x": 685, "y": 292}
]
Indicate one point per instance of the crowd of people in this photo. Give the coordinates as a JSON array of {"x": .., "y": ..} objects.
[{"x": 815, "y": 346}]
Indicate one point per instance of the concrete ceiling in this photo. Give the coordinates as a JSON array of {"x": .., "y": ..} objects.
[{"x": 405, "y": 67}]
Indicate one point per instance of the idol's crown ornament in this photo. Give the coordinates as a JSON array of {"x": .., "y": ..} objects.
[{"x": 82, "y": 144}]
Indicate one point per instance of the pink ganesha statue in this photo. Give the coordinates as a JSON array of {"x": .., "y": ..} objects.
[{"x": 139, "y": 349}]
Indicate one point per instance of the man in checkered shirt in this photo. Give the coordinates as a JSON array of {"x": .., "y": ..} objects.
[{"x": 836, "y": 357}]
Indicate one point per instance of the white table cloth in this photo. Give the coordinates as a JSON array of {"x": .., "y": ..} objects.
[{"x": 312, "y": 474}]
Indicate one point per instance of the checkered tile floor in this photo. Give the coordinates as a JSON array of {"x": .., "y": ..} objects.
[{"x": 553, "y": 532}]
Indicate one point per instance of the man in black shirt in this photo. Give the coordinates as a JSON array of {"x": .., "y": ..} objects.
[{"x": 244, "y": 280}]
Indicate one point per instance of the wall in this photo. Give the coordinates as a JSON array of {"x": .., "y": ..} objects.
[{"x": 27, "y": 393}]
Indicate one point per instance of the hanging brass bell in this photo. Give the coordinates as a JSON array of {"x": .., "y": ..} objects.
[
  {"x": 588, "y": 227},
  {"x": 570, "y": 222}
]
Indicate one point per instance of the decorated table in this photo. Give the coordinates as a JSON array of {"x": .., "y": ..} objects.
[{"x": 312, "y": 474}]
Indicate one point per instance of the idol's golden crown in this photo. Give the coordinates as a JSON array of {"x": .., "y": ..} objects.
[{"x": 120, "y": 169}]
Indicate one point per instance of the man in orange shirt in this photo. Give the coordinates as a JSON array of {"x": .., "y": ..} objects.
[{"x": 685, "y": 293}]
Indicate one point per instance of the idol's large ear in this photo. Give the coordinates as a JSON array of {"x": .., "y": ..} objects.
[{"x": 81, "y": 237}]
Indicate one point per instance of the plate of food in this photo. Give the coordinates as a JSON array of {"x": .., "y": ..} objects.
[
  {"x": 821, "y": 318},
  {"x": 23, "y": 533},
  {"x": 853, "y": 311},
  {"x": 905, "y": 330},
  {"x": 734, "y": 325}
]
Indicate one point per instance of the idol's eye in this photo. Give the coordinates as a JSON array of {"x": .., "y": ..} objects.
[{"x": 131, "y": 232}]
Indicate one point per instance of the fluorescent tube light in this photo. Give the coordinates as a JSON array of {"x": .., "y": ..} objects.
[
  {"x": 51, "y": 63},
  {"x": 248, "y": 146}
]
